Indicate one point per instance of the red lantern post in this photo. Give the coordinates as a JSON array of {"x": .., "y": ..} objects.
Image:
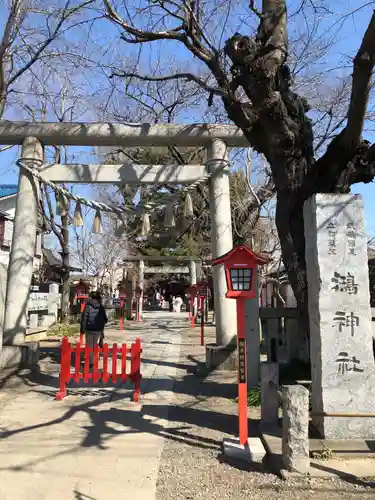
[
  {"x": 203, "y": 294},
  {"x": 240, "y": 264},
  {"x": 138, "y": 294},
  {"x": 122, "y": 297},
  {"x": 82, "y": 295},
  {"x": 189, "y": 305},
  {"x": 193, "y": 293}
]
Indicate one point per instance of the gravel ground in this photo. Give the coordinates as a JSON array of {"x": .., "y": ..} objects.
[{"x": 192, "y": 467}]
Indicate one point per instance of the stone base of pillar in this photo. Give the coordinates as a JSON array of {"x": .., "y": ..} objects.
[
  {"x": 221, "y": 357},
  {"x": 253, "y": 451},
  {"x": 20, "y": 356}
]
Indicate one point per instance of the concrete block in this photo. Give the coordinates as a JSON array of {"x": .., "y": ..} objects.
[
  {"x": 48, "y": 320},
  {"x": 222, "y": 357},
  {"x": 33, "y": 320},
  {"x": 268, "y": 391},
  {"x": 252, "y": 452},
  {"x": 20, "y": 356}
]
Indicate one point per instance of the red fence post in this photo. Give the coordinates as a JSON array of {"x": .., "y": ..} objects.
[
  {"x": 105, "y": 376},
  {"x": 95, "y": 371},
  {"x": 135, "y": 368},
  {"x": 114, "y": 363},
  {"x": 124, "y": 375}
]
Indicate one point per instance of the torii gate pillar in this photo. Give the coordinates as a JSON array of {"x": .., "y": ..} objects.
[
  {"x": 221, "y": 354},
  {"x": 21, "y": 262}
]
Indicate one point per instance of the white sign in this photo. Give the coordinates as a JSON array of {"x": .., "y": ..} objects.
[{"x": 40, "y": 301}]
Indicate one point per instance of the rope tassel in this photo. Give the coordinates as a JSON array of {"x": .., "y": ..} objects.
[
  {"x": 77, "y": 218},
  {"x": 60, "y": 204},
  {"x": 97, "y": 224},
  {"x": 188, "y": 209}
]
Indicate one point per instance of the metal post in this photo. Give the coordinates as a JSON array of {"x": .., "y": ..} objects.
[
  {"x": 222, "y": 241},
  {"x": 23, "y": 247}
]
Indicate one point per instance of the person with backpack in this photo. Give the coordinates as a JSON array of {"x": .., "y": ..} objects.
[{"x": 93, "y": 321}]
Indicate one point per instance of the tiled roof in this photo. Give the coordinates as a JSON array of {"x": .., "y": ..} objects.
[{"x": 8, "y": 190}]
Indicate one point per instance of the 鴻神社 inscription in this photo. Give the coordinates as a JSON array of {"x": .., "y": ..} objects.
[{"x": 342, "y": 362}]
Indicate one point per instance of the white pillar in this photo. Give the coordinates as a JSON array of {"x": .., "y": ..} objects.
[
  {"x": 193, "y": 281},
  {"x": 222, "y": 241},
  {"x": 193, "y": 272},
  {"x": 23, "y": 247},
  {"x": 53, "y": 301},
  {"x": 141, "y": 278}
]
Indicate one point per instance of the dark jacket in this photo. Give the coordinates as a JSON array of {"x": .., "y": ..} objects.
[{"x": 93, "y": 317}]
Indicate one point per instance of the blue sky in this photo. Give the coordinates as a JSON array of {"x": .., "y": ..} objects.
[{"x": 346, "y": 36}]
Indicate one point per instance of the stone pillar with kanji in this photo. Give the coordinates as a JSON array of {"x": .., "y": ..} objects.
[{"x": 342, "y": 360}]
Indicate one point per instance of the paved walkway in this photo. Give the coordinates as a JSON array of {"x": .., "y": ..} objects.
[{"x": 95, "y": 444}]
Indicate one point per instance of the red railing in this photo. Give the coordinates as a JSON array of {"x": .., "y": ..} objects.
[{"x": 66, "y": 375}]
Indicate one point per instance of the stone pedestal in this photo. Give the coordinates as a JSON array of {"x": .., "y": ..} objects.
[
  {"x": 342, "y": 360},
  {"x": 253, "y": 451},
  {"x": 221, "y": 357},
  {"x": 295, "y": 440}
]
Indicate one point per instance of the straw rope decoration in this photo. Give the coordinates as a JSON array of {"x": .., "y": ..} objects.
[{"x": 31, "y": 165}]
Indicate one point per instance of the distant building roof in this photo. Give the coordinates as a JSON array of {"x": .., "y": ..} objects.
[
  {"x": 8, "y": 190},
  {"x": 56, "y": 262},
  {"x": 4, "y": 215}
]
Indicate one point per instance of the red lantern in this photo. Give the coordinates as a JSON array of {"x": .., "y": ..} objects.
[{"x": 240, "y": 266}]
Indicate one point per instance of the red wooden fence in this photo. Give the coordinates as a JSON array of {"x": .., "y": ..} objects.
[{"x": 66, "y": 375}]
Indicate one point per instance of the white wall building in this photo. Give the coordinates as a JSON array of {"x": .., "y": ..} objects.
[{"x": 8, "y": 197}]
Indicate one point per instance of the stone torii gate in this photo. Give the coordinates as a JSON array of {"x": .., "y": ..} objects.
[
  {"x": 34, "y": 136},
  {"x": 189, "y": 261}
]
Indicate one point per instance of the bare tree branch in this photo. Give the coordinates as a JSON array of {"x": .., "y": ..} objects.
[{"x": 177, "y": 76}]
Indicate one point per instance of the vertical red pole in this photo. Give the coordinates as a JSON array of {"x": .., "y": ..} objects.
[
  {"x": 105, "y": 375},
  {"x": 202, "y": 320},
  {"x": 123, "y": 363},
  {"x": 193, "y": 312},
  {"x": 242, "y": 373},
  {"x": 114, "y": 362},
  {"x": 135, "y": 368},
  {"x": 138, "y": 308},
  {"x": 95, "y": 371},
  {"x": 82, "y": 334},
  {"x": 122, "y": 315}
]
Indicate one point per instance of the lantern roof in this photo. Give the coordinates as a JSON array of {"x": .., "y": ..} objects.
[{"x": 240, "y": 251}]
